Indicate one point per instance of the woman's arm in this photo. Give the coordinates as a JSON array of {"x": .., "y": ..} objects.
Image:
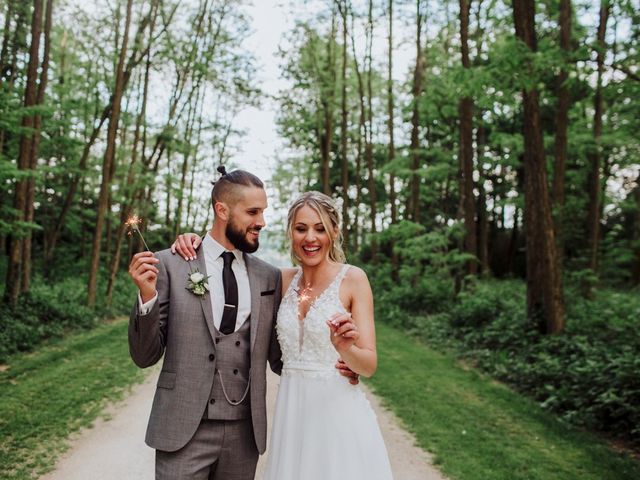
[{"x": 354, "y": 336}]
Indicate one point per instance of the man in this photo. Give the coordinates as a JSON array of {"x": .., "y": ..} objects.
[{"x": 213, "y": 319}]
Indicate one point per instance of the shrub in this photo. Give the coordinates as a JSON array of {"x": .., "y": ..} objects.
[
  {"x": 588, "y": 374},
  {"x": 50, "y": 310}
]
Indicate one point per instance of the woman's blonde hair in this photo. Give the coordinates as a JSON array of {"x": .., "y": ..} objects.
[{"x": 330, "y": 218}]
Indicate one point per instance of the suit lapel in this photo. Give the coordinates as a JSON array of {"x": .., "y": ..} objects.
[
  {"x": 254, "y": 272},
  {"x": 205, "y": 300}
]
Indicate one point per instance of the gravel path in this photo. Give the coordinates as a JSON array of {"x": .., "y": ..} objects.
[{"x": 114, "y": 448}]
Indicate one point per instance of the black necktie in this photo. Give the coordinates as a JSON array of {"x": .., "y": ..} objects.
[{"x": 230, "y": 312}]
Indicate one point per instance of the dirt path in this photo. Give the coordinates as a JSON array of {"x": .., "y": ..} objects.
[{"x": 114, "y": 449}]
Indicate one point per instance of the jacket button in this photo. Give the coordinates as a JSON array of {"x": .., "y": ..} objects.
[
  {"x": 212, "y": 401},
  {"x": 212, "y": 357},
  {"x": 237, "y": 343},
  {"x": 235, "y": 371}
]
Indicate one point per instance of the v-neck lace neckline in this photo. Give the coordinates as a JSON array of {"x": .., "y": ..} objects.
[{"x": 296, "y": 280}]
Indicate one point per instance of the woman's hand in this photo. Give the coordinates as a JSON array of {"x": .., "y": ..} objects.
[
  {"x": 186, "y": 245},
  {"x": 344, "y": 333}
]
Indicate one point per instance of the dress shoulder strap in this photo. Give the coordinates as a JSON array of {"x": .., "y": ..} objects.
[
  {"x": 294, "y": 281},
  {"x": 343, "y": 272},
  {"x": 339, "y": 277}
]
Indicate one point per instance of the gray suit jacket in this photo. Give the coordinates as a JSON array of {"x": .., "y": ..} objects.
[{"x": 180, "y": 326}]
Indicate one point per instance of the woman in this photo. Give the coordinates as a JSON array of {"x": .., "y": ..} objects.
[{"x": 324, "y": 428}]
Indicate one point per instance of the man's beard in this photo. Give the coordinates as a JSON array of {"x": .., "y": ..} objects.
[{"x": 239, "y": 238}]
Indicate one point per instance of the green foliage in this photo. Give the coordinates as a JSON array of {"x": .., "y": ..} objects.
[
  {"x": 476, "y": 428},
  {"x": 51, "y": 310},
  {"x": 588, "y": 375},
  {"x": 75, "y": 377}
]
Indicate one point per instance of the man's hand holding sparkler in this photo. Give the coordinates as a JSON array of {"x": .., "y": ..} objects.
[
  {"x": 144, "y": 273},
  {"x": 142, "y": 269}
]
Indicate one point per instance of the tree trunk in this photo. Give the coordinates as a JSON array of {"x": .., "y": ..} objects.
[
  {"x": 108, "y": 160},
  {"x": 395, "y": 262},
  {"x": 169, "y": 186},
  {"x": 362, "y": 133},
  {"x": 635, "y": 276},
  {"x": 191, "y": 118},
  {"x": 414, "y": 198},
  {"x": 344, "y": 161},
  {"x": 15, "y": 265},
  {"x": 4, "y": 51},
  {"x": 195, "y": 162},
  {"x": 326, "y": 135},
  {"x": 513, "y": 244},
  {"x": 131, "y": 187},
  {"x": 35, "y": 144},
  {"x": 544, "y": 285},
  {"x": 562, "y": 125},
  {"x": 465, "y": 111},
  {"x": 593, "y": 181},
  {"x": 483, "y": 221},
  {"x": 368, "y": 150}
]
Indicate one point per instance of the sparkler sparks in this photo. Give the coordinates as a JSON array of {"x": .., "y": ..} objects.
[
  {"x": 133, "y": 224},
  {"x": 304, "y": 295}
]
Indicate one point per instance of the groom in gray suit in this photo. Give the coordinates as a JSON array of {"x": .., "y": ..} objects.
[{"x": 213, "y": 319}]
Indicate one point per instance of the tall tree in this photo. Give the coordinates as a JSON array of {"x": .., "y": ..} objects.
[
  {"x": 53, "y": 233},
  {"x": 368, "y": 149},
  {"x": 344, "y": 161},
  {"x": 392, "y": 148},
  {"x": 562, "y": 124},
  {"x": 544, "y": 285},
  {"x": 35, "y": 144},
  {"x": 362, "y": 135},
  {"x": 327, "y": 100},
  {"x": 594, "y": 178},
  {"x": 132, "y": 184},
  {"x": 416, "y": 91},
  {"x": 108, "y": 160},
  {"x": 14, "y": 267},
  {"x": 635, "y": 276},
  {"x": 465, "y": 113}
]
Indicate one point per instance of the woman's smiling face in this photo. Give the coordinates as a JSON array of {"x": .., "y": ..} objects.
[{"x": 311, "y": 242}]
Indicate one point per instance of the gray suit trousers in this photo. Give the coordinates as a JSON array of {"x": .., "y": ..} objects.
[{"x": 219, "y": 450}]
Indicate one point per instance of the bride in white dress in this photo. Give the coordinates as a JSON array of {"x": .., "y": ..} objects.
[{"x": 324, "y": 428}]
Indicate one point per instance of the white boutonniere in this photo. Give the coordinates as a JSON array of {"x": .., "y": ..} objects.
[{"x": 197, "y": 283}]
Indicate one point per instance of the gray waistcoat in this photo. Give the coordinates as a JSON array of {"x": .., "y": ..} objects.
[{"x": 231, "y": 379}]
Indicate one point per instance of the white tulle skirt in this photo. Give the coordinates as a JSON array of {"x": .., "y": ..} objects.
[{"x": 324, "y": 429}]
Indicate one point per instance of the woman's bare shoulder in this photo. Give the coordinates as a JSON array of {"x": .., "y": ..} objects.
[
  {"x": 356, "y": 274},
  {"x": 287, "y": 275}
]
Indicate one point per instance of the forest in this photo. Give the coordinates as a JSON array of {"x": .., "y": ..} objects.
[{"x": 490, "y": 188}]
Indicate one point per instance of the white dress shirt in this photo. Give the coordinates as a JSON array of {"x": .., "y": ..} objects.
[{"x": 212, "y": 250}]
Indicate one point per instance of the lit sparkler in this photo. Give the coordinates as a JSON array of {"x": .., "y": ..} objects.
[
  {"x": 304, "y": 295},
  {"x": 133, "y": 224}
]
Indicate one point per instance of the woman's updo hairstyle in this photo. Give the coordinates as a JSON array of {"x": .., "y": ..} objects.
[{"x": 328, "y": 213}]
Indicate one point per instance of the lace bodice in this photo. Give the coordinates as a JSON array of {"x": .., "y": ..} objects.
[{"x": 305, "y": 343}]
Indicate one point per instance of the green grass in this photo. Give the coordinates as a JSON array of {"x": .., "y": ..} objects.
[
  {"x": 50, "y": 393},
  {"x": 477, "y": 428}
]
